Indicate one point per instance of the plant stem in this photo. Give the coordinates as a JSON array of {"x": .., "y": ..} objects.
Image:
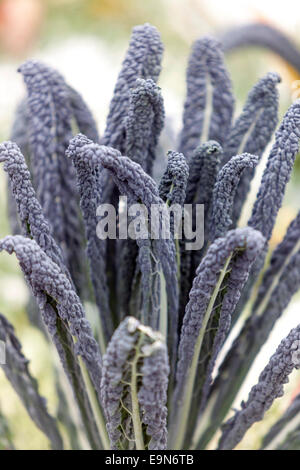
[
  {"x": 136, "y": 419},
  {"x": 95, "y": 406},
  {"x": 203, "y": 426},
  {"x": 184, "y": 410},
  {"x": 163, "y": 317},
  {"x": 77, "y": 383}
]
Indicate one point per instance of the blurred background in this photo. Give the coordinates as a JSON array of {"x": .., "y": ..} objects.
[{"x": 86, "y": 41}]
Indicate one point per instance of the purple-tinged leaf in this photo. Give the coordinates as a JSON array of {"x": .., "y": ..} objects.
[{"x": 209, "y": 102}]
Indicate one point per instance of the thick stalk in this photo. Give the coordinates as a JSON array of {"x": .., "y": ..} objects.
[
  {"x": 99, "y": 418},
  {"x": 77, "y": 383},
  {"x": 184, "y": 410},
  {"x": 136, "y": 419},
  {"x": 163, "y": 314}
]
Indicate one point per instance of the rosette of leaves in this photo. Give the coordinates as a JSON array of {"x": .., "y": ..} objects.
[{"x": 141, "y": 366}]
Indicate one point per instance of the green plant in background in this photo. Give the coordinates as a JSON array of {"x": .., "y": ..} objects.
[{"x": 144, "y": 375}]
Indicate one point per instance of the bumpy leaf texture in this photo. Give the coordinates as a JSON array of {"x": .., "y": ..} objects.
[
  {"x": 134, "y": 183},
  {"x": 146, "y": 290},
  {"x": 31, "y": 220},
  {"x": 253, "y": 128},
  {"x": 34, "y": 224},
  {"x": 17, "y": 372},
  {"x": 172, "y": 186},
  {"x": 277, "y": 172},
  {"x": 172, "y": 190},
  {"x": 238, "y": 276},
  {"x": 272, "y": 187},
  {"x": 56, "y": 297},
  {"x": 19, "y": 135},
  {"x": 215, "y": 293},
  {"x": 134, "y": 387},
  {"x": 252, "y": 131},
  {"x": 225, "y": 191},
  {"x": 138, "y": 186},
  {"x": 203, "y": 170},
  {"x": 269, "y": 387},
  {"x": 209, "y": 102},
  {"x": 50, "y": 129},
  {"x": 142, "y": 60},
  {"x": 88, "y": 176},
  {"x": 280, "y": 282},
  {"x": 144, "y": 123}
]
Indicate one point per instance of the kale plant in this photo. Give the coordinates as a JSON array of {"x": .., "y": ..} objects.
[{"x": 142, "y": 366}]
